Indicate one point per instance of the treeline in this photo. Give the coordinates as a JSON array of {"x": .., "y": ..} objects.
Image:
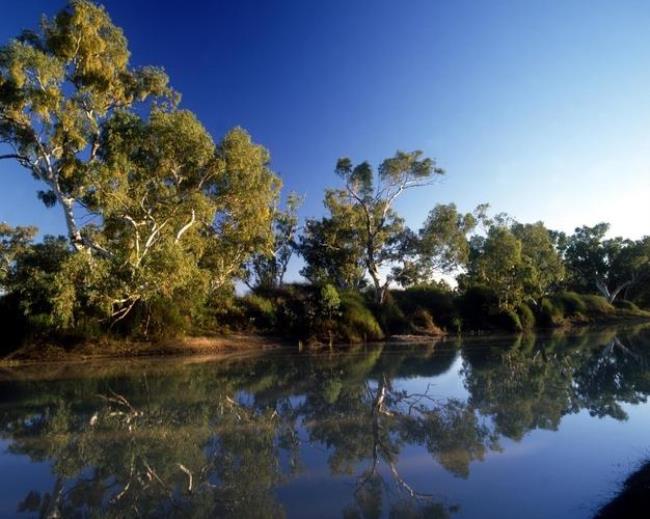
[{"x": 163, "y": 222}]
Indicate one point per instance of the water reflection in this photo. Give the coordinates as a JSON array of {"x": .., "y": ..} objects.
[{"x": 221, "y": 439}]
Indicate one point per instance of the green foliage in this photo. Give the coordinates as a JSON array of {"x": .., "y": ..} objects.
[
  {"x": 176, "y": 214},
  {"x": 612, "y": 266},
  {"x": 508, "y": 320},
  {"x": 332, "y": 247},
  {"x": 477, "y": 306},
  {"x": 526, "y": 317},
  {"x": 261, "y": 311},
  {"x": 367, "y": 200},
  {"x": 443, "y": 245},
  {"x": 572, "y": 303},
  {"x": 267, "y": 269},
  {"x": 390, "y": 315},
  {"x": 437, "y": 301},
  {"x": 357, "y": 322},
  {"x": 627, "y": 305},
  {"x": 551, "y": 313},
  {"x": 519, "y": 262},
  {"x": 598, "y": 305},
  {"x": 542, "y": 269}
]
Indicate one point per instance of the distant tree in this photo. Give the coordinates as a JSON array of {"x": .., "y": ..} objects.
[
  {"x": 443, "y": 239},
  {"x": 518, "y": 261},
  {"x": 609, "y": 265},
  {"x": 267, "y": 269},
  {"x": 13, "y": 241},
  {"x": 371, "y": 197},
  {"x": 497, "y": 262},
  {"x": 542, "y": 268},
  {"x": 331, "y": 246}
]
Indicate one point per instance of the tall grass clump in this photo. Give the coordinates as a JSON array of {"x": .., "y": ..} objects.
[{"x": 357, "y": 323}]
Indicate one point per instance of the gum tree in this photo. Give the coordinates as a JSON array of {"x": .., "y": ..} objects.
[
  {"x": 58, "y": 88},
  {"x": 169, "y": 215},
  {"x": 371, "y": 197}
]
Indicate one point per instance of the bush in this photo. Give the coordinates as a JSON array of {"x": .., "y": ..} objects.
[
  {"x": 438, "y": 302},
  {"x": 598, "y": 305},
  {"x": 422, "y": 322},
  {"x": 477, "y": 307},
  {"x": 390, "y": 316},
  {"x": 551, "y": 313},
  {"x": 572, "y": 303},
  {"x": 357, "y": 323},
  {"x": 15, "y": 326},
  {"x": 260, "y": 310},
  {"x": 526, "y": 317},
  {"x": 508, "y": 320},
  {"x": 627, "y": 305}
]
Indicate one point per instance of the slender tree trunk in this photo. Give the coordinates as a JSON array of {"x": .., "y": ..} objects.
[
  {"x": 374, "y": 274},
  {"x": 612, "y": 295},
  {"x": 74, "y": 233},
  {"x": 618, "y": 290}
]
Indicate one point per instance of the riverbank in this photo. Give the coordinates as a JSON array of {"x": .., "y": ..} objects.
[
  {"x": 222, "y": 346},
  {"x": 109, "y": 348}
]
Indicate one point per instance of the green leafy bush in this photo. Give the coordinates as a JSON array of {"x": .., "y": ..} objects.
[
  {"x": 598, "y": 305},
  {"x": 390, "y": 316},
  {"x": 477, "y": 307},
  {"x": 508, "y": 320},
  {"x": 261, "y": 311},
  {"x": 627, "y": 305},
  {"x": 357, "y": 323},
  {"x": 526, "y": 317},
  {"x": 572, "y": 303},
  {"x": 551, "y": 313},
  {"x": 439, "y": 303}
]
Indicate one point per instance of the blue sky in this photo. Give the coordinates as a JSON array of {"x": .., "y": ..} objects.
[{"x": 541, "y": 109}]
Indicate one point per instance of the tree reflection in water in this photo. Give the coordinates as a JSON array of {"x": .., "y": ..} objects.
[{"x": 220, "y": 439}]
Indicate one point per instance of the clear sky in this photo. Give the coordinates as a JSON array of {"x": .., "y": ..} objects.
[{"x": 541, "y": 108}]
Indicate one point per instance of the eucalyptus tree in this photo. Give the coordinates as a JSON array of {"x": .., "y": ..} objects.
[
  {"x": 172, "y": 214},
  {"x": 542, "y": 267},
  {"x": 608, "y": 265},
  {"x": 496, "y": 261},
  {"x": 443, "y": 245},
  {"x": 267, "y": 269},
  {"x": 331, "y": 246},
  {"x": 519, "y": 262},
  {"x": 58, "y": 88},
  {"x": 13, "y": 241},
  {"x": 371, "y": 197}
]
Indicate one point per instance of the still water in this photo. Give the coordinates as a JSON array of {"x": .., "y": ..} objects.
[{"x": 520, "y": 427}]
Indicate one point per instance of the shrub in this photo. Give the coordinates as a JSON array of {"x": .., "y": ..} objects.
[
  {"x": 438, "y": 302},
  {"x": 551, "y": 313},
  {"x": 627, "y": 305},
  {"x": 261, "y": 310},
  {"x": 598, "y": 305},
  {"x": 509, "y": 320},
  {"x": 477, "y": 307},
  {"x": 15, "y": 326},
  {"x": 390, "y": 316},
  {"x": 526, "y": 317},
  {"x": 357, "y": 323},
  {"x": 422, "y": 322},
  {"x": 572, "y": 303}
]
